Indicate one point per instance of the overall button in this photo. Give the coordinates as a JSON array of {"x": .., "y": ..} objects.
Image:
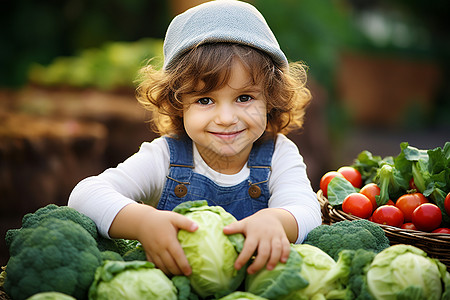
[
  {"x": 254, "y": 191},
  {"x": 180, "y": 190}
]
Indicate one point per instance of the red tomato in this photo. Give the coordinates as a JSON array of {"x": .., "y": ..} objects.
[
  {"x": 390, "y": 202},
  {"x": 325, "y": 180},
  {"x": 409, "y": 202},
  {"x": 409, "y": 226},
  {"x": 447, "y": 204},
  {"x": 371, "y": 190},
  {"x": 352, "y": 175},
  {"x": 427, "y": 217},
  {"x": 358, "y": 205},
  {"x": 442, "y": 230},
  {"x": 388, "y": 215}
]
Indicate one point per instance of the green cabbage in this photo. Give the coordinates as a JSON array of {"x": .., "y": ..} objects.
[
  {"x": 239, "y": 295},
  {"x": 280, "y": 281},
  {"x": 51, "y": 296},
  {"x": 211, "y": 253},
  {"x": 322, "y": 272},
  {"x": 406, "y": 272},
  {"x": 131, "y": 280}
]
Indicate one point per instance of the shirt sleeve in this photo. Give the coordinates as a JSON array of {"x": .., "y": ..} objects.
[
  {"x": 139, "y": 178},
  {"x": 291, "y": 189}
]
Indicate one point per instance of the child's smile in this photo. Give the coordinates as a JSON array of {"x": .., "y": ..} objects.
[{"x": 225, "y": 122}]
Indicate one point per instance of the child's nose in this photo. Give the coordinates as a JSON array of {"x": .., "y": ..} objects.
[{"x": 226, "y": 115}]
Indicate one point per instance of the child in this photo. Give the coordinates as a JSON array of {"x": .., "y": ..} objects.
[{"x": 221, "y": 103}]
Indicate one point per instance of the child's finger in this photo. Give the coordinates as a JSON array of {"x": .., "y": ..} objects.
[
  {"x": 182, "y": 222},
  {"x": 275, "y": 254},
  {"x": 285, "y": 250},
  {"x": 247, "y": 252},
  {"x": 181, "y": 261},
  {"x": 264, "y": 252},
  {"x": 235, "y": 227}
]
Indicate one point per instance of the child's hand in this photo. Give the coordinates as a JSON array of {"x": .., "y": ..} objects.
[
  {"x": 265, "y": 235},
  {"x": 158, "y": 236}
]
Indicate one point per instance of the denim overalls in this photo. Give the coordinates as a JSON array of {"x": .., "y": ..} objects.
[{"x": 240, "y": 200}]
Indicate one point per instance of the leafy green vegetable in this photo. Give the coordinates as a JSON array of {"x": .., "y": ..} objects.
[
  {"x": 391, "y": 183},
  {"x": 51, "y": 296},
  {"x": 406, "y": 272},
  {"x": 280, "y": 281},
  {"x": 209, "y": 251},
  {"x": 239, "y": 295},
  {"x": 368, "y": 165},
  {"x": 430, "y": 170},
  {"x": 338, "y": 189},
  {"x": 57, "y": 255},
  {"x": 131, "y": 280},
  {"x": 352, "y": 235},
  {"x": 184, "y": 288},
  {"x": 326, "y": 277}
]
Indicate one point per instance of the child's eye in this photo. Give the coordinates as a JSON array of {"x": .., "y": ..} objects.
[
  {"x": 244, "y": 98},
  {"x": 204, "y": 101}
]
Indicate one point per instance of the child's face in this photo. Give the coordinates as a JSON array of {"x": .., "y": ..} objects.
[{"x": 225, "y": 122}]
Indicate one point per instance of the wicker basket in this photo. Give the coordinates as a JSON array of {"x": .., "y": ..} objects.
[{"x": 437, "y": 245}]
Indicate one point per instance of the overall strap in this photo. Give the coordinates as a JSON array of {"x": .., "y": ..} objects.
[
  {"x": 261, "y": 154},
  {"x": 260, "y": 162},
  {"x": 181, "y": 153},
  {"x": 181, "y": 156}
]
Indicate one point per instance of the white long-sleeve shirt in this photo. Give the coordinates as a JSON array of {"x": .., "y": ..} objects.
[{"x": 142, "y": 177}]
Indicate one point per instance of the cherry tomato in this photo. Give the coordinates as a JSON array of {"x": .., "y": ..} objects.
[
  {"x": 447, "y": 204},
  {"x": 409, "y": 202},
  {"x": 352, "y": 175},
  {"x": 388, "y": 215},
  {"x": 442, "y": 230},
  {"x": 427, "y": 217},
  {"x": 371, "y": 190},
  {"x": 390, "y": 202},
  {"x": 409, "y": 226},
  {"x": 358, "y": 205},
  {"x": 325, "y": 180}
]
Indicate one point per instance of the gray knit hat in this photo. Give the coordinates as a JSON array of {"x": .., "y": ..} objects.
[{"x": 220, "y": 21}]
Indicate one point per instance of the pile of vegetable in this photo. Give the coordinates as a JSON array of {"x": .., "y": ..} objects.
[
  {"x": 114, "y": 65},
  {"x": 409, "y": 191},
  {"x": 58, "y": 254}
]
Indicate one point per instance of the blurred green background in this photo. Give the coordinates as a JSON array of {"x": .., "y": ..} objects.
[{"x": 379, "y": 72}]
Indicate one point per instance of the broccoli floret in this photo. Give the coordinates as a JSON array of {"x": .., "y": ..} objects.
[
  {"x": 10, "y": 234},
  {"x": 352, "y": 235},
  {"x": 57, "y": 255},
  {"x": 31, "y": 220},
  {"x": 137, "y": 253},
  {"x": 357, "y": 287},
  {"x": 111, "y": 255},
  {"x": 121, "y": 246}
]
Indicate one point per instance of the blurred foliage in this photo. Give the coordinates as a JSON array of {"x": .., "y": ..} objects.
[
  {"x": 312, "y": 31},
  {"x": 110, "y": 67},
  {"x": 38, "y": 31},
  {"x": 319, "y": 31}
]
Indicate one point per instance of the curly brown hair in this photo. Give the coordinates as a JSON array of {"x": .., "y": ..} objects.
[{"x": 161, "y": 91}]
